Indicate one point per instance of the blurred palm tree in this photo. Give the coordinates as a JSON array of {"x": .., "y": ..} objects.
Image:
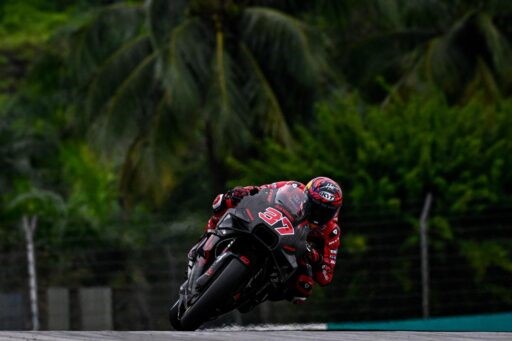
[
  {"x": 461, "y": 47},
  {"x": 170, "y": 82}
]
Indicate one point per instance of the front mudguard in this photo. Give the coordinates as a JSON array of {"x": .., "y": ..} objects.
[
  {"x": 219, "y": 297},
  {"x": 190, "y": 292}
]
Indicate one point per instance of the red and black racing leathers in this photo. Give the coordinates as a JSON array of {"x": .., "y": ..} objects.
[{"x": 324, "y": 240}]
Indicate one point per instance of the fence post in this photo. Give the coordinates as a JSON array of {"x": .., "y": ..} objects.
[{"x": 424, "y": 256}]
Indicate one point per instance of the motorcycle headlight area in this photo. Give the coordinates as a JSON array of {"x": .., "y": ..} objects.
[
  {"x": 227, "y": 221},
  {"x": 231, "y": 223}
]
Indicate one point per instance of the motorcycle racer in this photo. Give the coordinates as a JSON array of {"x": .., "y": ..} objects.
[{"x": 324, "y": 200}]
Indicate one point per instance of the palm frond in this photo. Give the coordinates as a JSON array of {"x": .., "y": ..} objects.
[
  {"x": 126, "y": 113},
  {"x": 483, "y": 84},
  {"x": 186, "y": 65},
  {"x": 455, "y": 58},
  {"x": 497, "y": 7},
  {"x": 263, "y": 102},
  {"x": 169, "y": 132},
  {"x": 146, "y": 171},
  {"x": 283, "y": 41},
  {"x": 41, "y": 200},
  {"x": 471, "y": 54},
  {"x": 163, "y": 16},
  {"x": 499, "y": 50},
  {"x": 104, "y": 32},
  {"x": 425, "y": 14},
  {"x": 389, "y": 11},
  {"x": 225, "y": 105},
  {"x": 154, "y": 160},
  {"x": 385, "y": 55},
  {"x": 447, "y": 66},
  {"x": 113, "y": 72}
]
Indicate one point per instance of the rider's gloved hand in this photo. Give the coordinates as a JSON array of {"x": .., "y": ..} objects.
[
  {"x": 313, "y": 256},
  {"x": 228, "y": 200},
  {"x": 238, "y": 193}
]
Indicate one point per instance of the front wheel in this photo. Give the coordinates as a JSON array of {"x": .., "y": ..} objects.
[
  {"x": 219, "y": 292},
  {"x": 173, "y": 316}
]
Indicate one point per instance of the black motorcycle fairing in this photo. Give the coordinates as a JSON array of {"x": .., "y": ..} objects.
[
  {"x": 273, "y": 233},
  {"x": 263, "y": 235}
]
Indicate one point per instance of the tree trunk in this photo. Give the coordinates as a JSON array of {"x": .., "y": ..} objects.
[
  {"x": 29, "y": 226},
  {"x": 425, "y": 271}
]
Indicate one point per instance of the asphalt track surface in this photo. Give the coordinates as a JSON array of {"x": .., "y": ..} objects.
[{"x": 251, "y": 335}]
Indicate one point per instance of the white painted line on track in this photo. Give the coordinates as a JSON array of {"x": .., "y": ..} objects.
[{"x": 272, "y": 327}]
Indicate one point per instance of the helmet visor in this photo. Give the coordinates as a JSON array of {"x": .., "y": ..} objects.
[{"x": 319, "y": 214}]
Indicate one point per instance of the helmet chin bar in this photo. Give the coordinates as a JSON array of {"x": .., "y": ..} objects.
[
  {"x": 319, "y": 214},
  {"x": 314, "y": 225}
]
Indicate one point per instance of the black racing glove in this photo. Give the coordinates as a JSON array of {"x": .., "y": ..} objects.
[
  {"x": 238, "y": 193},
  {"x": 313, "y": 256}
]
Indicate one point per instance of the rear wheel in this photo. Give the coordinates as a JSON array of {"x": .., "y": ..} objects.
[{"x": 220, "y": 291}]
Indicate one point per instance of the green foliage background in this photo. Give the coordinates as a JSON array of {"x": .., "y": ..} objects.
[
  {"x": 391, "y": 156},
  {"x": 118, "y": 126}
]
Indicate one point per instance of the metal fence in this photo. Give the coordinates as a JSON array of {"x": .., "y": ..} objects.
[{"x": 377, "y": 277}]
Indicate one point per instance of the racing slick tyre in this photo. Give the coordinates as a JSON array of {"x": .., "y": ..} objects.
[
  {"x": 220, "y": 291},
  {"x": 173, "y": 316}
]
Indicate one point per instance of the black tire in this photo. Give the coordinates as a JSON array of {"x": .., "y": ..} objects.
[
  {"x": 219, "y": 291},
  {"x": 173, "y": 316}
]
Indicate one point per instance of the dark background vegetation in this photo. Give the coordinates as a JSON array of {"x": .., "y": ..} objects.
[{"x": 121, "y": 120}]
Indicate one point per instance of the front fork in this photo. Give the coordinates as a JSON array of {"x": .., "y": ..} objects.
[{"x": 200, "y": 257}]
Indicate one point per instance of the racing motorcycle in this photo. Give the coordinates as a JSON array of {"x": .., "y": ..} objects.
[{"x": 253, "y": 252}]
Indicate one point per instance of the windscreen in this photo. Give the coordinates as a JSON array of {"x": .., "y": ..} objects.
[{"x": 293, "y": 199}]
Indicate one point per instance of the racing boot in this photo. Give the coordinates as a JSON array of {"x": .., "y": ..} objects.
[{"x": 301, "y": 285}]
